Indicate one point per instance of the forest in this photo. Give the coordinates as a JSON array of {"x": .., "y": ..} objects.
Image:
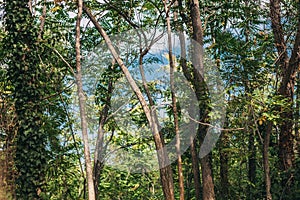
[{"x": 149, "y": 99}]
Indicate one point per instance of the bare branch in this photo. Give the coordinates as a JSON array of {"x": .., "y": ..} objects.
[{"x": 215, "y": 127}]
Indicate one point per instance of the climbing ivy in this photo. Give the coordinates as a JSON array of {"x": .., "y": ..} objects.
[{"x": 36, "y": 78}]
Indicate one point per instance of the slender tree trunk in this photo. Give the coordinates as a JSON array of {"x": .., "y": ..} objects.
[
  {"x": 297, "y": 115},
  {"x": 250, "y": 131},
  {"x": 208, "y": 192},
  {"x": 193, "y": 149},
  {"x": 252, "y": 151},
  {"x": 252, "y": 159},
  {"x": 174, "y": 102},
  {"x": 266, "y": 160},
  {"x": 83, "y": 117},
  {"x": 195, "y": 166},
  {"x": 199, "y": 84},
  {"x": 100, "y": 148},
  {"x": 163, "y": 159},
  {"x": 224, "y": 168}
]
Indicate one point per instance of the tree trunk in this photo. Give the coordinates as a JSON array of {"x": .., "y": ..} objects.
[
  {"x": 193, "y": 149},
  {"x": 208, "y": 192},
  {"x": 166, "y": 173},
  {"x": 25, "y": 82},
  {"x": 297, "y": 115},
  {"x": 252, "y": 159},
  {"x": 252, "y": 151},
  {"x": 174, "y": 102},
  {"x": 224, "y": 168},
  {"x": 288, "y": 68},
  {"x": 199, "y": 85},
  {"x": 83, "y": 117},
  {"x": 266, "y": 160},
  {"x": 100, "y": 148},
  {"x": 195, "y": 166}
]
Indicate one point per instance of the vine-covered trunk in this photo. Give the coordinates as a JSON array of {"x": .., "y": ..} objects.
[
  {"x": 25, "y": 75},
  {"x": 201, "y": 94}
]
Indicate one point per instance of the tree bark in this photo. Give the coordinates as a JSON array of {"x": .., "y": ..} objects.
[
  {"x": 193, "y": 150},
  {"x": 252, "y": 151},
  {"x": 207, "y": 174},
  {"x": 199, "y": 85},
  {"x": 195, "y": 166},
  {"x": 297, "y": 115},
  {"x": 100, "y": 147},
  {"x": 252, "y": 159},
  {"x": 83, "y": 117},
  {"x": 174, "y": 102},
  {"x": 266, "y": 161},
  {"x": 166, "y": 173},
  {"x": 224, "y": 168},
  {"x": 288, "y": 67}
]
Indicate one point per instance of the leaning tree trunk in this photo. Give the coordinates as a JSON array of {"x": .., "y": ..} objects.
[{"x": 166, "y": 173}]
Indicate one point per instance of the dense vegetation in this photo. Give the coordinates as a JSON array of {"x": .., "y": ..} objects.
[{"x": 152, "y": 99}]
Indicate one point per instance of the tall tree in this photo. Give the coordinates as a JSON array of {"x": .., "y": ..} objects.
[
  {"x": 266, "y": 163},
  {"x": 188, "y": 75},
  {"x": 167, "y": 6},
  {"x": 288, "y": 62},
  {"x": 83, "y": 117},
  {"x": 26, "y": 75},
  {"x": 201, "y": 93},
  {"x": 164, "y": 163}
]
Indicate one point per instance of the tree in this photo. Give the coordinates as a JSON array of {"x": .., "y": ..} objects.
[
  {"x": 167, "y": 6},
  {"x": 288, "y": 69},
  {"x": 165, "y": 169},
  {"x": 35, "y": 81},
  {"x": 201, "y": 93},
  {"x": 88, "y": 163},
  {"x": 25, "y": 74}
]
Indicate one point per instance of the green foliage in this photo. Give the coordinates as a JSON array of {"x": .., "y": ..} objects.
[
  {"x": 64, "y": 177},
  {"x": 36, "y": 80},
  {"x": 35, "y": 77},
  {"x": 116, "y": 184}
]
